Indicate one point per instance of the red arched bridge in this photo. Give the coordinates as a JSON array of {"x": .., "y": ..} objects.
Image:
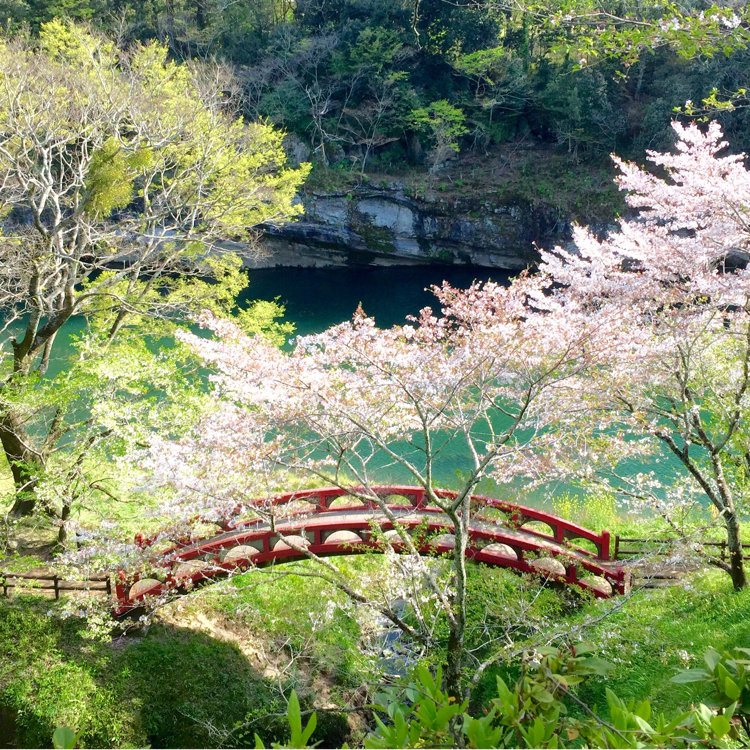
[{"x": 334, "y": 521}]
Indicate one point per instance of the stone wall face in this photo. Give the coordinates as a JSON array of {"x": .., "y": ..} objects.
[{"x": 384, "y": 227}]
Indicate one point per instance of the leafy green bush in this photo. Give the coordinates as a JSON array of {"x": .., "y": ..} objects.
[
  {"x": 728, "y": 675},
  {"x": 533, "y": 713}
]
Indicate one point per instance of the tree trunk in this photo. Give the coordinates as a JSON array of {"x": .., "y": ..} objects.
[
  {"x": 200, "y": 14},
  {"x": 62, "y": 534},
  {"x": 734, "y": 544},
  {"x": 25, "y": 463},
  {"x": 454, "y": 663},
  {"x": 457, "y": 623}
]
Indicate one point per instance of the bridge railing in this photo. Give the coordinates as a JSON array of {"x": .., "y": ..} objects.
[
  {"x": 561, "y": 529},
  {"x": 515, "y": 519},
  {"x": 248, "y": 545}
]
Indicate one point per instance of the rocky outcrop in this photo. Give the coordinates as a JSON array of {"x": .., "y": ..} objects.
[{"x": 385, "y": 227}]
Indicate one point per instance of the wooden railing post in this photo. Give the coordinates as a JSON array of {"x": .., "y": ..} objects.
[
  {"x": 56, "y": 581},
  {"x": 617, "y": 547},
  {"x": 571, "y": 573},
  {"x": 605, "y": 545},
  {"x": 419, "y": 498}
]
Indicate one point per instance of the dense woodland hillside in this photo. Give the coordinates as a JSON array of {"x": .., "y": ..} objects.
[{"x": 383, "y": 85}]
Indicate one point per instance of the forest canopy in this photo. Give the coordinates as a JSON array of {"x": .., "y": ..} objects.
[{"x": 350, "y": 78}]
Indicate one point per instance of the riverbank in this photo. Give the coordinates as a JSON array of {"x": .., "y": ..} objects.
[{"x": 492, "y": 212}]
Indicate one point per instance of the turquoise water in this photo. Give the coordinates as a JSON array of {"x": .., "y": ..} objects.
[{"x": 318, "y": 298}]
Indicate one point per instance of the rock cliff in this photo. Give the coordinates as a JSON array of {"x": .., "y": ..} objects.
[{"x": 385, "y": 227}]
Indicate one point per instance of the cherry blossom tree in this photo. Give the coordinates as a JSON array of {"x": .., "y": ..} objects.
[
  {"x": 670, "y": 292},
  {"x": 615, "y": 349},
  {"x": 484, "y": 372}
]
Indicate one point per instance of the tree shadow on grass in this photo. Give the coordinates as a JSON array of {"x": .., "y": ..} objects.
[{"x": 172, "y": 687}]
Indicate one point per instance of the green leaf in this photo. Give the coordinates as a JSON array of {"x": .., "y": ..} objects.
[
  {"x": 309, "y": 729},
  {"x": 704, "y": 712},
  {"x": 691, "y": 675},
  {"x": 643, "y": 709},
  {"x": 294, "y": 715},
  {"x": 64, "y": 737},
  {"x": 731, "y": 688},
  {"x": 642, "y": 724},
  {"x": 712, "y": 658},
  {"x": 597, "y": 666},
  {"x": 720, "y": 725}
]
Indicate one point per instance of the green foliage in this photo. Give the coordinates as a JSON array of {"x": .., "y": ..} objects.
[
  {"x": 63, "y": 738},
  {"x": 728, "y": 676},
  {"x": 572, "y": 73},
  {"x": 690, "y": 30},
  {"x": 426, "y": 721},
  {"x": 170, "y": 688},
  {"x": 206, "y": 693},
  {"x": 44, "y": 688},
  {"x": 118, "y": 393},
  {"x": 374, "y": 50},
  {"x": 530, "y": 713},
  {"x": 150, "y": 169},
  {"x": 298, "y": 737},
  {"x": 443, "y": 123},
  {"x": 526, "y": 715},
  {"x": 202, "y": 682},
  {"x": 110, "y": 181},
  {"x": 533, "y": 713},
  {"x": 500, "y": 601},
  {"x": 662, "y": 631},
  {"x": 328, "y": 636}
]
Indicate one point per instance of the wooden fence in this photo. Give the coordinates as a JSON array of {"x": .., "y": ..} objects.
[
  {"x": 40, "y": 582},
  {"x": 661, "y": 547}
]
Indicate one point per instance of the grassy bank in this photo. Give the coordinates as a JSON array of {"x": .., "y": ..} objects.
[
  {"x": 648, "y": 638},
  {"x": 171, "y": 687},
  {"x": 215, "y": 669},
  {"x": 662, "y": 631}
]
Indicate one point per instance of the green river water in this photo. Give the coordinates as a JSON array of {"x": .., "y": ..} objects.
[{"x": 318, "y": 298}]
